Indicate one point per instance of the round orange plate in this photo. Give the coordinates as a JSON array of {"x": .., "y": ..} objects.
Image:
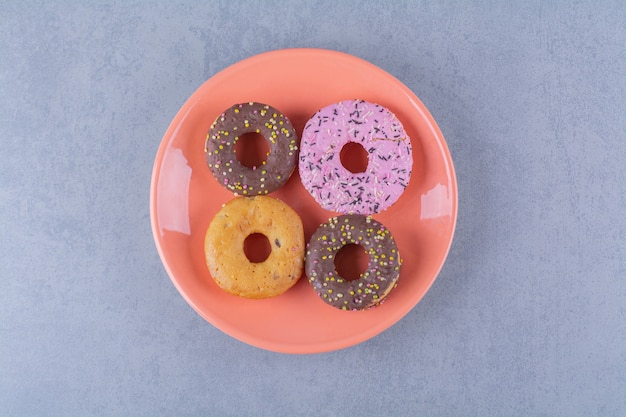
[{"x": 184, "y": 197}]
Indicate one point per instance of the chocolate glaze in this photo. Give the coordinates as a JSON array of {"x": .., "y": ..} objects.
[
  {"x": 250, "y": 118},
  {"x": 374, "y": 284}
]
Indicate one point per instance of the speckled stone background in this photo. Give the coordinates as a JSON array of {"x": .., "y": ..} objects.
[{"x": 528, "y": 315}]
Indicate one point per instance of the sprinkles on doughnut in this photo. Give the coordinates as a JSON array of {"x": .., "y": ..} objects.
[
  {"x": 388, "y": 147},
  {"x": 251, "y": 118},
  {"x": 374, "y": 284}
]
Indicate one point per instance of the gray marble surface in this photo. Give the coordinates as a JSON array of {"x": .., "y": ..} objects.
[{"x": 527, "y": 317}]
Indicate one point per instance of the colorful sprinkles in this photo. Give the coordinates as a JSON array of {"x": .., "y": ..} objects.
[
  {"x": 374, "y": 284},
  {"x": 244, "y": 118},
  {"x": 381, "y": 134}
]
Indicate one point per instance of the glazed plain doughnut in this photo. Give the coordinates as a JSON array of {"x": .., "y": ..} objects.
[
  {"x": 224, "y": 241},
  {"x": 381, "y": 134},
  {"x": 374, "y": 284},
  {"x": 251, "y": 118}
]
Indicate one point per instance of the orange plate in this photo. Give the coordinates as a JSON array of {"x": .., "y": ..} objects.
[{"x": 184, "y": 197}]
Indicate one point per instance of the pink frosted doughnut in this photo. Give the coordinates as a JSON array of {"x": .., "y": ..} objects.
[{"x": 381, "y": 134}]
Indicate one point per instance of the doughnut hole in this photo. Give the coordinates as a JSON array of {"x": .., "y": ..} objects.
[
  {"x": 252, "y": 149},
  {"x": 257, "y": 247},
  {"x": 354, "y": 157},
  {"x": 351, "y": 261}
]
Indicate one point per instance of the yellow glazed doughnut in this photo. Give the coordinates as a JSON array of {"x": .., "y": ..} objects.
[{"x": 224, "y": 247}]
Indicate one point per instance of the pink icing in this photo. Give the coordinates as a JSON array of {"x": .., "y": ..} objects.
[{"x": 390, "y": 157}]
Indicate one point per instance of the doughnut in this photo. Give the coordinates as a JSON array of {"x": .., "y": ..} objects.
[
  {"x": 225, "y": 257},
  {"x": 374, "y": 284},
  {"x": 244, "y": 118},
  {"x": 388, "y": 147}
]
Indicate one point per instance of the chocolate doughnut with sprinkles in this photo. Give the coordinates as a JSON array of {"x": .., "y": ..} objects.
[
  {"x": 374, "y": 284},
  {"x": 244, "y": 118},
  {"x": 389, "y": 157}
]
